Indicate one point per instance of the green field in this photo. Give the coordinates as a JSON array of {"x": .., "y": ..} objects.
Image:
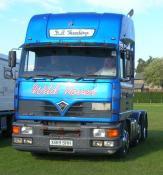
[{"x": 145, "y": 159}]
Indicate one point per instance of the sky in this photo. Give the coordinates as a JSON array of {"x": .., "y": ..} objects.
[{"x": 148, "y": 20}]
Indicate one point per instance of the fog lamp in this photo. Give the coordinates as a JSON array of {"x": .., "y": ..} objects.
[
  {"x": 17, "y": 140},
  {"x": 108, "y": 143},
  {"x": 97, "y": 143},
  {"x": 27, "y": 141}
]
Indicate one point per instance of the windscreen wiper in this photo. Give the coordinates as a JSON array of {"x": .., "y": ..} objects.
[
  {"x": 90, "y": 76},
  {"x": 67, "y": 76},
  {"x": 49, "y": 76},
  {"x": 41, "y": 76}
]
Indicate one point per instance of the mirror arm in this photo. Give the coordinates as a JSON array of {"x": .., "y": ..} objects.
[
  {"x": 12, "y": 73},
  {"x": 14, "y": 78}
]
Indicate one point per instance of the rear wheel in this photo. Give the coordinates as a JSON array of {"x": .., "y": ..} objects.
[
  {"x": 144, "y": 129},
  {"x": 136, "y": 141}
]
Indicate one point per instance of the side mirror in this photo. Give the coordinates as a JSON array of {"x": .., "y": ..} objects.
[{"x": 12, "y": 59}]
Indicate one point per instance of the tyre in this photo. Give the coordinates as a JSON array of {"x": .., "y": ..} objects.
[
  {"x": 136, "y": 141},
  {"x": 144, "y": 129},
  {"x": 123, "y": 151},
  {"x": 8, "y": 131}
]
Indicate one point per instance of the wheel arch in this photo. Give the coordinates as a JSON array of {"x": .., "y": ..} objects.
[{"x": 140, "y": 116}]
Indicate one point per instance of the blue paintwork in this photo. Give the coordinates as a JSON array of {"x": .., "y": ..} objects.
[
  {"x": 64, "y": 89},
  {"x": 102, "y": 88},
  {"x": 109, "y": 28},
  {"x": 114, "y": 118}
]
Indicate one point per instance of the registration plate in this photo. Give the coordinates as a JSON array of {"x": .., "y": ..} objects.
[{"x": 63, "y": 143}]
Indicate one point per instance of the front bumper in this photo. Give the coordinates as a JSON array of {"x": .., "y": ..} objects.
[{"x": 80, "y": 135}]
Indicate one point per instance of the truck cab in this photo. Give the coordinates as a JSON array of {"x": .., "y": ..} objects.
[{"x": 75, "y": 88}]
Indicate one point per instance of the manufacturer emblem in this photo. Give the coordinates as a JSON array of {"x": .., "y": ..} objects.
[
  {"x": 62, "y": 105},
  {"x": 70, "y": 24}
]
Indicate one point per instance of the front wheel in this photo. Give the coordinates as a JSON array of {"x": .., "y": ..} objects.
[
  {"x": 123, "y": 151},
  {"x": 8, "y": 131}
]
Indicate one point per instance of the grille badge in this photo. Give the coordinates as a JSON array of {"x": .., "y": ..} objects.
[{"x": 62, "y": 105}]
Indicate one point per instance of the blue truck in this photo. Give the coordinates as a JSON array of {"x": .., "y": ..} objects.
[{"x": 74, "y": 93}]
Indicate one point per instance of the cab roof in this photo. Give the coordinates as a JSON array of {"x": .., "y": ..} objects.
[{"x": 106, "y": 28}]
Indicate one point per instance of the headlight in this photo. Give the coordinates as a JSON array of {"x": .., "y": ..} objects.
[
  {"x": 98, "y": 132},
  {"x": 101, "y": 106},
  {"x": 26, "y": 130}
]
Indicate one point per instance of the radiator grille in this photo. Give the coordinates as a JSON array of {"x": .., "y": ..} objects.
[
  {"x": 44, "y": 108},
  {"x": 37, "y": 108},
  {"x": 85, "y": 110},
  {"x": 61, "y": 133}
]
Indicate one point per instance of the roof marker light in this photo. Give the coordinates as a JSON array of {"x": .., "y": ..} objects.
[{"x": 113, "y": 38}]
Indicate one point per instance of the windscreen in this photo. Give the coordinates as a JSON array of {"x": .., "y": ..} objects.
[{"x": 69, "y": 61}]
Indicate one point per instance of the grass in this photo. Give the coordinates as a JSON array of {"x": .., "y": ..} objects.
[{"x": 145, "y": 159}]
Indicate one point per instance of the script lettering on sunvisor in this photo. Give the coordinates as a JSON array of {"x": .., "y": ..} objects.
[{"x": 71, "y": 32}]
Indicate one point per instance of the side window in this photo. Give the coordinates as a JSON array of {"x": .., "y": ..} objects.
[
  {"x": 132, "y": 61},
  {"x": 127, "y": 62},
  {"x": 122, "y": 65},
  {"x": 30, "y": 61}
]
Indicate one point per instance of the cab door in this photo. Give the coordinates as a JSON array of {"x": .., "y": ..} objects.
[{"x": 127, "y": 78}]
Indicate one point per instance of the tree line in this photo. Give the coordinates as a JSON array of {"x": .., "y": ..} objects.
[{"x": 152, "y": 70}]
